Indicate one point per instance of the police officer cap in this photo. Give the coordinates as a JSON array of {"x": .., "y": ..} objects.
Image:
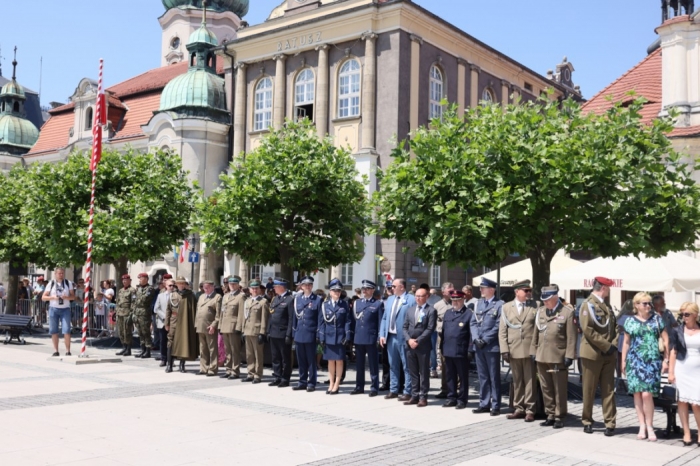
[
  {"x": 306, "y": 280},
  {"x": 254, "y": 283},
  {"x": 457, "y": 294},
  {"x": 485, "y": 282},
  {"x": 604, "y": 281},
  {"x": 335, "y": 284},
  {"x": 143, "y": 274},
  {"x": 389, "y": 284},
  {"x": 279, "y": 281},
  {"x": 167, "y": 276},
  {"x": 126, "y": 277},
  {"x": 234, "y": 279},
  {"x": 181, "y": 279},
  {"x": 549, "y": 292},
  {"x": 522, "y": 284},
  {"x": 368, "y": 284},
  {"x": 208, "y": 282}
]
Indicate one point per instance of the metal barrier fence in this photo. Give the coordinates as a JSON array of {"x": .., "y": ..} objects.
[{"x": 99, "y": 322}]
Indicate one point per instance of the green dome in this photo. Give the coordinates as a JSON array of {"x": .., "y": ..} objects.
[
  {"x": 15, "y": 131},
  {"x": 203, "y": 36},
  {"x": 13, "y": 89},
  {"x": 238, "y": 7},
  {"x": 195, "y": 93}
]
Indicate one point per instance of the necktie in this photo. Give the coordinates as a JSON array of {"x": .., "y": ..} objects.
[
  {"x": 521, "y": 308},
  {"x": 394, "y": 308}
]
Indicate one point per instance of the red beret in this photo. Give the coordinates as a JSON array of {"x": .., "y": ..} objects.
[
  {"x": 604, "y": 281},
  {"x": 143, "y": 274},
  {"x": 167, "y": 276},
  {"x": 126, "y": 277},
  {"x": 457, "y": 294}
]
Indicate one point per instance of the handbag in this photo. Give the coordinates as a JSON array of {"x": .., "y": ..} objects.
[{"x": 670, "y": 393}]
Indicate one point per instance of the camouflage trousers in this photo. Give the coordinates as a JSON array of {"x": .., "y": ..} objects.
[
  {"x": 142, "y": 322},
  {"x": 125, "y": 329}
]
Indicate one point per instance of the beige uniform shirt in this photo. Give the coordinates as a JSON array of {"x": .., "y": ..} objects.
[
  {"x": 516, "y": 329},
  {"x": 208, "y": 312},
  {"x": 555, "y": 335},
  {"x": 252, "y": 318}
]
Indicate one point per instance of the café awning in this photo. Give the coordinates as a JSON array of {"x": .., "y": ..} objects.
[{"x": 522, "y": 270}]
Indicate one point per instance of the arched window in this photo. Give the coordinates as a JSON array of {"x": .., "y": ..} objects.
[
  {"x": 437, "y": 85},
  {"x": 88, "y": 119},
  {"x": 304, "y": 94},
  {"x": 487, "y": 96},
  {"x": 263, "y": 104},
  {"x": 349, "y": 89}
]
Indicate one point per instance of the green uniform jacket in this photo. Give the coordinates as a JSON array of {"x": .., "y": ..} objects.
[
  {"x": 252, "y": 319},
  {"x": 599, "y": 327},
  {"x": 230, "y": 307},
  {"x": 143, "y": 302},
  {"x": 125, "y": 301},
  {"x": 516, "y": 329},
  {"x": 555, "y": 336}
]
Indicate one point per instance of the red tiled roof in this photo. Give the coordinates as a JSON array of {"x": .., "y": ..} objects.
[
  {"x": 148, "y": 81},
  {"x": 54, "y": 133},
  {"x": 62, "y": 108},
  {"x": 685, "y": 132},
  {"x": 677, "y": 19},
  {"x": 141, "y": 108}
]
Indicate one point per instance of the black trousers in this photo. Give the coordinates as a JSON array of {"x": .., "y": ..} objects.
[
  {"x": 281, "y": 359},
  {"x": 162, "y": 343},
  {"x": 371, "y": 352},
  {"x": 457, "y": 369},
  {"x": 418, "y": 361}
]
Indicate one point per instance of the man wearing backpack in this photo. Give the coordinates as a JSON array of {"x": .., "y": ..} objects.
[{"x": 59, "y": 293}]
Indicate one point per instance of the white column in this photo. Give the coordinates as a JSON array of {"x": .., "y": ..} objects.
[
  {"x": 369, "y": 91},
  {"x": 416, "y": 42},
  {"x": 239, "y": 113},
  {"x": 280, "y": 88},
  {"x": 461, "y": 84},
  {"x": 322, "y": 91},
  {"x": 475, "y": 70}
]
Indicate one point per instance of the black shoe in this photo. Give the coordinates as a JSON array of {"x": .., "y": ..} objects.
[
  {"x": 687, "y": 444},
  {"x": 383, "y": 388},
  {"x": 357, "y": 391},
  {"x": 162, "y": 363},
  {"x": 547, "y": 423},
  {"x": 56, "y": 354},
  {"x": 495, "y": 412},
  {"x": 481, "y": 410},
  {"x": 256, "y": 381},
  {"x": 169, "y": 364},
  {"x": 120, "y": 353},
  {"x": 334, "y": 392},
  {"x": 460, "y": 405},
  {"x": 311, "y": 389},
  {"x": 283, "y": 384},
  {"x": 373, "y": 394},
  {"x": 328, "y": 392},
  {"x": 128, "y": 351},
  {"x": 450, "y": 404},
  {"x": 234, "y": 377},
  {"x": 68, "y": 353},
  {"x": 558, "y": 424},
  {"x": 182, "y": 366},
  {"x": 139, "y": 355},
  {"x": 441, "y": 396},
  {"x": 247, "y": 379},
  {"x": 146, "y": 354},
  {"x": 609, "y": 432},
  {"x": 299, "y": 387},
  {"x": 588, "y": 429},
  {"x": 274, "y": 383}
]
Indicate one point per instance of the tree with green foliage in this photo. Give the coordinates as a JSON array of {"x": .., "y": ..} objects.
[
  {"x": 143, "y": 206},
  {"x": 296, "y": 200},
  {"x": 536, "y": 178}
]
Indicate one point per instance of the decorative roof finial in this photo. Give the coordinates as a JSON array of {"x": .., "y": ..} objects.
[
  {"x": 204, "y": 13},
  {"x": 14, "y": 66}
]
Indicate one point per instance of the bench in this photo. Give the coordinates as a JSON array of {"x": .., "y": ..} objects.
[
  {"x": 14, "y": 326},
  {"x": 670, "y": 407}
]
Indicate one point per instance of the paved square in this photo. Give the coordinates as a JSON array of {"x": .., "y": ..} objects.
[{"x": 133, "y": 413}]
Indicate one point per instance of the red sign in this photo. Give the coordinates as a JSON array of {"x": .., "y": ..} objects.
[{"x": 617, "y": 283}]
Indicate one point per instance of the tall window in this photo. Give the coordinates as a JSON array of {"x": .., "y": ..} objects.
[
  {"x": 304, "y": 94},
  {"x": 437, "y": 85},
  {"x": 487, "y": 96},
  {"x": 263, "y": 104},
  {"x": 435, "y": 276},
  {"x": 346, "y": 271},
  {"x": 256, "y": 271},
  {"x": 88, "y": 118},
  {"x": 349, "y": 89}
]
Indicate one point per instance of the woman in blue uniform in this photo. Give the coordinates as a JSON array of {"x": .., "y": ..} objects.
[{"x": 335, "y": 331}]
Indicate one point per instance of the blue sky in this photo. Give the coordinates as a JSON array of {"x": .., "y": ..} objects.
[{"x": 601, "y": 38}]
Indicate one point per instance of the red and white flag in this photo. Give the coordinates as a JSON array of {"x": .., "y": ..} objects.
[
  {"x": 184, "y": 250},
  {"x": 100, "y": 121}
]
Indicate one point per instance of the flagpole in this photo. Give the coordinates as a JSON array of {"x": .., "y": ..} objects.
[{"x": 96, "y": 155}]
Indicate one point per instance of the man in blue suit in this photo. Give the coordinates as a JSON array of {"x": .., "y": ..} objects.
[
  {"x": 484, "y": 331},
  {"x": 391, "y": 336},
  {"x": 368, "y": 314},
  {"x": 305, "y": 322}
]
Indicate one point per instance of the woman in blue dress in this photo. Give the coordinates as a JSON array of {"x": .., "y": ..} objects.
[
  {"x": 334, "y": 332},
  {"x": 642, "y": 361}
]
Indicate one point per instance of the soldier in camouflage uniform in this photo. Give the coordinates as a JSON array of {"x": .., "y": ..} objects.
[
  {"x": 125, "y": 325},
  {"x": 143, "y": 318}
]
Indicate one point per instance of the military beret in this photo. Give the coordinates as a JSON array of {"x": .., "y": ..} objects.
[
  {"x": 143, "y": 274},
  {"x": 522, "y": 284},
  {"x": 486, "y": 283},
  {"x": 181, "y": 279},
  {"x": 234, "y": 279},
  {"x": 126, "y": 277},
  {"x": 456, "y": 294},
  {"x": 335, "y": 284},
  {"x": 548, "y": 292},
  {"x": 604, "y": 281},
  {"x": 307, "y": 280},
  {"x": 167, "y": 276},
  {"x": 254, "y": 283},
  {"x": 368, "y": 284},
  {"x": 279, "y": 281}
]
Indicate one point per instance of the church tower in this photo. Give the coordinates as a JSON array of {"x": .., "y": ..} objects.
[{"x": 17, "y": 134}]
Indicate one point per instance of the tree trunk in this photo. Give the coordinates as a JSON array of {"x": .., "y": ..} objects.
[
  {"x": 12, "y": 291},
  {"x": 286, "y": 270},
  {"x": 541, "y": 262},
  {"x": 121, "y": 268}
]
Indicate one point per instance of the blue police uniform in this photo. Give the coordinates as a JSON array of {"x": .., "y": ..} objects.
[
  {"x": 367, "y": 316},
  {"x": 455, "y": 338},
  {"x": 335, "y": 327},
  {"x": 484, "y": 330},
  {"x": 306, "y": 319}
]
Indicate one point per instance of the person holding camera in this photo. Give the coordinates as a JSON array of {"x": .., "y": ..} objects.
[{"x": 59, "y": 293}]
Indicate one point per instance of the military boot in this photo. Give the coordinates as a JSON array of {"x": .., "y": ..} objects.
[
  {"x": 182, "y": 365},
  {"x": 127, "y": 351},
  {"x": 143, "y": 350},
  {"x": 169, "y": 367},
  {"x": 121, "y": 353},
  {"x": 146, "y": 354}
]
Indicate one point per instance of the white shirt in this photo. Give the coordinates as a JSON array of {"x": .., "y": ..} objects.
[
  {"x": 59, "y": 290},
  {"x": 394, "y": 312},
  {"x": 520, "y": 306}
]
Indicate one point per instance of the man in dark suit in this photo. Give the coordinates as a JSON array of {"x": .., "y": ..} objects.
[
  {"x": 279, "y": 331},
  {"x": 484, "y": 329},
  {"x": 367, "y": 317},
  {"x": 454, "y": 341},
  {"x": 418, "y": 327}
]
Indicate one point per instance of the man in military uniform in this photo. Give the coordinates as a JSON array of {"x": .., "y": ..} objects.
[
  {"x": 207, "y": 326},
  {"x": 454, "y": 348},
  {"x": 598, "y": 354},
  {"x": 553, "y": 347},
  {"x": 368, "y": 317},
  {"x": 252, "y": 321},
  {"x": 179, "y": 323},
  {"x": 515, "y": 338},
  {"x": 125, "y": 319},
  {"x": 484, "y": 330},
  {"x": 306, "y": 314},
  {"x": 279, "y": 332},
  {"x": 231, "y": 305},
  {"x": 142, "y": 311}
]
